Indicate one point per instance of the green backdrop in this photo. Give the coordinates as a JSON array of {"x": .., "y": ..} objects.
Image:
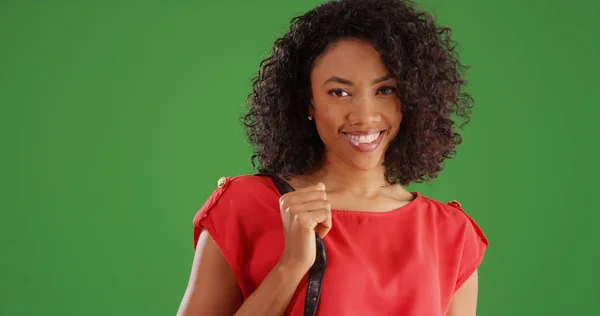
[{"x": 118, "y": 117}]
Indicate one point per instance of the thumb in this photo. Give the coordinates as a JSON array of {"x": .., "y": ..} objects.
[{"x": 322, "y": 230}]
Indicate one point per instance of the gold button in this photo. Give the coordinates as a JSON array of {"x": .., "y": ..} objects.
[
  {"x": 221, "y": 182},
  {"x": 455, "y": 201}
]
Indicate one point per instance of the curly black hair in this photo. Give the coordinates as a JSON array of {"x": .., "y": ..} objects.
[{"x": 419, "y": 53}]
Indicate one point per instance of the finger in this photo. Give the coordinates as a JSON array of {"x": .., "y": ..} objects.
[
  {"x": 324, "y": 227},
  {"x": 305, "y": 197},
  {"x": 310, "y": 220},
  {"x": 319, "y": 187},
  {"x": 308, "y": 206}
]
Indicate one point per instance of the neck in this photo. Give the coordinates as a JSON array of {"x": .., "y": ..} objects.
[{"x": 341, "y": 177}]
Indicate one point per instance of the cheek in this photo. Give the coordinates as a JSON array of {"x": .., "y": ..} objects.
[
  {"x": 393, "y": 111},
  {"x": 394, "y": 117},
  {"x": 398, "y": 118},
  {"x": 328, "y": 121},
  {"x": 329, "y": 114}
]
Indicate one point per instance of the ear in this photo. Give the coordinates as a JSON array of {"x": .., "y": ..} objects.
[{"x": 311, "y": 109}]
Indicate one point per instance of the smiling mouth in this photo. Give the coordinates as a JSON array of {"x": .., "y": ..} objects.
[
  {"x": 363, "y": 139},
  {"x": 364, "y": 142}
]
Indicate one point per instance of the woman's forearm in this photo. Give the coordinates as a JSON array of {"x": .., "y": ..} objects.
[{"x": 274, "y": 294}]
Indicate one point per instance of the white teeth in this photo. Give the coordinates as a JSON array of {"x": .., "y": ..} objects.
[{"x": 364, "y": 139}]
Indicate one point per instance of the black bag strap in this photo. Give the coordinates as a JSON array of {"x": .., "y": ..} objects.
[{"x": 317, "y": 270}]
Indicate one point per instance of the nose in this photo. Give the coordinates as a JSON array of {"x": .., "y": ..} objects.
[{"x": 364, "y": 112}]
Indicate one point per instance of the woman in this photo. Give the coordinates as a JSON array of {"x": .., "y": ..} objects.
[{"x": 355, "y": 101}]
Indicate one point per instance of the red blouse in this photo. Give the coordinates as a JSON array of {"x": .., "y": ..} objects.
[{"x": 408, "y": 261}]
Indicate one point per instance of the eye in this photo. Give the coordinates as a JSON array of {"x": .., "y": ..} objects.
[
  {"x": 387, "y": 90},
  {"x": 338, "y": 93}
]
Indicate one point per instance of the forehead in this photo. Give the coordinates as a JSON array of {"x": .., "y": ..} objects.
[{"x": 349, "y": 58}]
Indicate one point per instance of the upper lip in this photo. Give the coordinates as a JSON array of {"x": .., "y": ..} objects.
[{"x": 363, "y": 132}]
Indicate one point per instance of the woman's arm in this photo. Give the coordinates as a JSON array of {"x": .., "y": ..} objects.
[
  {"x": 212, "y": 289},
  {"x": 464, "y": 300}
]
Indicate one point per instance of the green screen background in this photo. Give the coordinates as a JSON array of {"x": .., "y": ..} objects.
[{"x": 118, "y": 117}]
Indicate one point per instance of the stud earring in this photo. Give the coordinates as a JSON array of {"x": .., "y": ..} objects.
[{"x": 310, "y": 118}]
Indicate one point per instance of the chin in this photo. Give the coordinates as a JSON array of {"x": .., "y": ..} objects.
[{"x": 359, "y": 161}]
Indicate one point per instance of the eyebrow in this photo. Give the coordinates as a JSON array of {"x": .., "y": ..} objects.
[{"x": 350, "y": 83}]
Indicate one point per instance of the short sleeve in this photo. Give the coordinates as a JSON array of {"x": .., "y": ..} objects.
[
  {"x": 201, "y": 219},
  {"x": 230, "y": 216},
  {"x": 474, "y": 244},
  {"x": 217, "y": 216}
]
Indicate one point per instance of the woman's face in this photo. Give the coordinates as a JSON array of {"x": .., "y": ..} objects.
[{"x": 354, "y": 104}]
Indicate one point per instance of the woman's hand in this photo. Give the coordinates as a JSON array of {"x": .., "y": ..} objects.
[{"x": 303, "y": 213}]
